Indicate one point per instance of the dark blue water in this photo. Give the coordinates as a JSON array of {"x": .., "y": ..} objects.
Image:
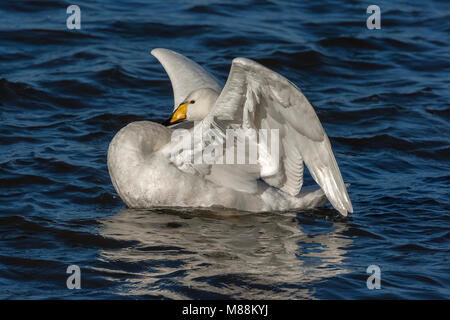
[{"x": 382, "y": 95}]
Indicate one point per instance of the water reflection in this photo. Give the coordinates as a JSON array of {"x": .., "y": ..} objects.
[{"x": 222, "y": 253}]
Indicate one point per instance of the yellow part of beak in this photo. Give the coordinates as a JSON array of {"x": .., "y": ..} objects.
[{"x": 180, "y": 113}]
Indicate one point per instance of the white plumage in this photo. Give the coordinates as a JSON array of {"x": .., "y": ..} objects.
[{"x": 145, "y": 173}]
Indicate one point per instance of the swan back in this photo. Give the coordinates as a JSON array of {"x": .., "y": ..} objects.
[{"x": 131, "y": 149}]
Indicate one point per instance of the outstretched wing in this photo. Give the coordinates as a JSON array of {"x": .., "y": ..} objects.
[
  {"x": 185, "y": 75},
  {"x": 255, "y": 97}
]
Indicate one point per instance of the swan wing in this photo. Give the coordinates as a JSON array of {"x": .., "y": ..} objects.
[
  {"x": 254, "y": 97},
  {"x": 185, "y": 75}
]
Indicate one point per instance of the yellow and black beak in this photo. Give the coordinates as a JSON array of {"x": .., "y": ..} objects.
[{"x": 179, "y": 114}]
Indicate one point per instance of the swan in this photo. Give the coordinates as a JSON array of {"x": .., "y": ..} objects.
[{"x": 148, "y": 169}]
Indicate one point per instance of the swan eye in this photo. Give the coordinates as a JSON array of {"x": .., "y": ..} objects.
[{"x": 192, "y": 101}]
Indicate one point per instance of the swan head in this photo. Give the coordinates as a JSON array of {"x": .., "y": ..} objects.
[{"x": 196, "y": 106}]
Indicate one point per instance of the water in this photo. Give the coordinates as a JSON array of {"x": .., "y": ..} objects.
[{"x": 382, "y": 96}]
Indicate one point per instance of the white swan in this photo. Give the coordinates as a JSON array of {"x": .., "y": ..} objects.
[{"x": 147, "y": 172}]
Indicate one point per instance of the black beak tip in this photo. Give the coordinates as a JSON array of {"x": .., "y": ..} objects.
[{"x": 166, "y": 122}]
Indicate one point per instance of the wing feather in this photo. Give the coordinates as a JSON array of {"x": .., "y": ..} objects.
[
  {"x": 185, "y": 75},
  {"x": 256, "y": 97}
]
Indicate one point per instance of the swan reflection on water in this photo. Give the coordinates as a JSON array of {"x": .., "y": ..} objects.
[{"x": 221, "y": 253}]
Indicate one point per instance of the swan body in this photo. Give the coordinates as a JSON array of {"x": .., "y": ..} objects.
[{"x": 146, "y": 171}]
